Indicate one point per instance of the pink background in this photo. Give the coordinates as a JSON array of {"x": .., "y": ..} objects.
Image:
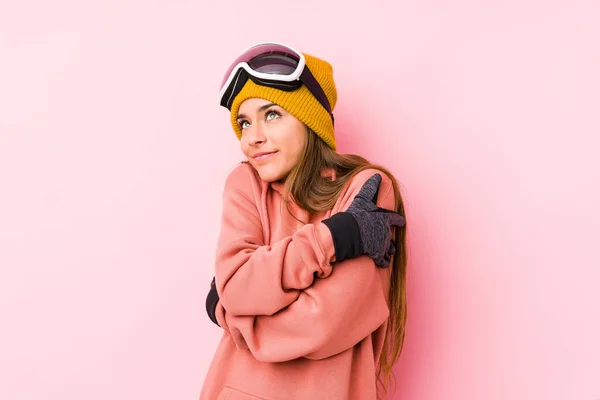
[{"x": 113, "y": 153}]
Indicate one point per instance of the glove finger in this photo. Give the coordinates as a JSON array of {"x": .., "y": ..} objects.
[
  {"x": 387, "y": 259},
  {"x": 384, "y": 261},
  {"x": 392, "y": 250},
  {"x": 370, "y": 188},
  {"x": 396, "y": 219}
]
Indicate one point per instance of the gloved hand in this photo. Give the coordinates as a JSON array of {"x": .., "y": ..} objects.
[
  {"x": 211, "y": 302},
  {"x": 365, "y": 228}
]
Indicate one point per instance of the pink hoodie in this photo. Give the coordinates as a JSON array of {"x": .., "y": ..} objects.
[{"x": 294, "y": 326}]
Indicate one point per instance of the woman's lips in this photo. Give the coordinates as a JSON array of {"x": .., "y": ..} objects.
[{"x": 264, "y": 156}]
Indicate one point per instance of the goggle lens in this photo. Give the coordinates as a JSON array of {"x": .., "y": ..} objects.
[{"x": 278, "y": 64}]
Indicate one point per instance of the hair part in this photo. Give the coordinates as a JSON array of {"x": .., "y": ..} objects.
[{"x": 314, "y": 192}]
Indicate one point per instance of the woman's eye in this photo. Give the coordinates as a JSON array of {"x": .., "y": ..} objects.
[
  {"x": 272, "y": 114},
  {"x": 244, "y": 124}
]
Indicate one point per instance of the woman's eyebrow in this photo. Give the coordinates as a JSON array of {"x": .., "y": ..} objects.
[{"x": 260, "y": 109}]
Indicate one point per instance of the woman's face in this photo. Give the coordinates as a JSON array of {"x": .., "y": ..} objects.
[{"x": 272, "y": 139}]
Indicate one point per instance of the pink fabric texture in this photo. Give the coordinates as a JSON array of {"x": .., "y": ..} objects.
[{"x": 296, "y": 325}]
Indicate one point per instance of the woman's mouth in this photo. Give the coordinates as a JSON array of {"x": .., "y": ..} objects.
[{"x": 263, "y": 156}]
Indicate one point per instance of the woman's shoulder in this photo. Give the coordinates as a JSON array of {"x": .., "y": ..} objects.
[
  {"x": 360, "y": 178},
  {"x": 385, "y": 192}
]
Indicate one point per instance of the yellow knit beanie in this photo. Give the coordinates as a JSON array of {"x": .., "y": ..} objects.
[{"x": 300, "y": 103}]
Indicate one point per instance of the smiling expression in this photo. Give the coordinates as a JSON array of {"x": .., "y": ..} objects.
[{"x": 272, "y": 139}]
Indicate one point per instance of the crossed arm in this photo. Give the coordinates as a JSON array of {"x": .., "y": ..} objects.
[{"x": 284, "y": 301}]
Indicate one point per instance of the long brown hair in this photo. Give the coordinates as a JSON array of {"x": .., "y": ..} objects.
[{"x": 315, "y": 193}]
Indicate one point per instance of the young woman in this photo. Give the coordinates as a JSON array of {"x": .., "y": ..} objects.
[{"x": 309, "y": 284}]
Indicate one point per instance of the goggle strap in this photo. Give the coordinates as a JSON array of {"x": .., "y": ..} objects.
[
  {"x": 311, "y": 83},
  {"x": 281, "y": 85},
  {"x": 241, "y": 77},
  {"x": 306, "y": 77}
]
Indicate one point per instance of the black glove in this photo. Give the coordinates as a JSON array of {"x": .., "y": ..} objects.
[
  {"x": 365, "y": 228},
  {"x": 211, "y": 302}
]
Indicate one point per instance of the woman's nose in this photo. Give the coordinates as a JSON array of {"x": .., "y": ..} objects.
[{"x": 257, "y": 135}]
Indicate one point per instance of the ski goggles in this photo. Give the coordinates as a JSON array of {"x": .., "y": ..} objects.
[{"x": 272, "y": 65}]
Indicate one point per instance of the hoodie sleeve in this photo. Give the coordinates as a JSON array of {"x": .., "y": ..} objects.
[
  {"x": 253, "y": 278},
  {"x": 326, "y": 318}
]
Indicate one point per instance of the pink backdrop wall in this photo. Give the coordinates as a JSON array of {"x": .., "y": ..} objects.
[{"x": 113, "y": 152}]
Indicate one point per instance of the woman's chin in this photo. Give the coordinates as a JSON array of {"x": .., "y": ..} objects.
[
  {"x": 270, "y": 175},
  {"x": 269, "y": 178}
]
